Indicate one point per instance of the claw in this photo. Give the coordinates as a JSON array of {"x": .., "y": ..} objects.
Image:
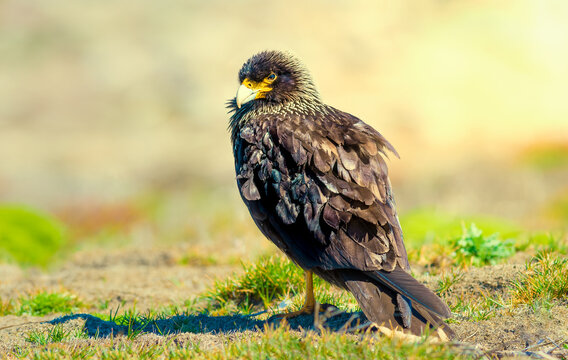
[{"x": 309, "y": 305}]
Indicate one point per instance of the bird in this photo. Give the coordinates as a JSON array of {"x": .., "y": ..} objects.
[{"x": 315, "y": 181}]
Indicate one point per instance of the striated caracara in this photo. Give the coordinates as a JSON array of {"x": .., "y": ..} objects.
[{"x": 316, "y": 184}]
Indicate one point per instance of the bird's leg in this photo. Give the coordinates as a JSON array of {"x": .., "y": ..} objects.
[{"x": 310, "y": 302}]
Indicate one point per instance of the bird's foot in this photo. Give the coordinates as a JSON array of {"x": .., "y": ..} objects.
[{"x": 305, "y": 310}]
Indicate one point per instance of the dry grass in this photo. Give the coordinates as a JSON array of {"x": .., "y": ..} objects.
[{"x": 544, "y": 280}]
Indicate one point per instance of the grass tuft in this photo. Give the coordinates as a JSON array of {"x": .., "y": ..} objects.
[
  {"x": 262, "y": 282},
  {"x": 54, "y": 335},
  {"x": 545, "y": 279},
  {"x": 267, "y": 281}
]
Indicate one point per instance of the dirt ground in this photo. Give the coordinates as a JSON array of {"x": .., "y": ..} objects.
[{"x": 151, "y": 279}]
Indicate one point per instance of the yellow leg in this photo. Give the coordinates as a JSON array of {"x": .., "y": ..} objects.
[{"x": 310, "y": 302}]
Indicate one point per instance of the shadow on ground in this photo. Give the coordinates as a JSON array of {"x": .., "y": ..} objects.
[{"x": 203, "y": 323}]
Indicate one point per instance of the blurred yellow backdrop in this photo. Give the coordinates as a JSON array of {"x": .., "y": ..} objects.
[{"x": 106, "y": 99}]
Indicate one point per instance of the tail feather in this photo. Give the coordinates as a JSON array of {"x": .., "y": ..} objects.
[
  {"x": 384, "y": 302},
  {"x": 403, "y": 283}
]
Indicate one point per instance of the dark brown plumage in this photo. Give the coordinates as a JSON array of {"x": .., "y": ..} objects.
[{"x": 316, "y": 183}]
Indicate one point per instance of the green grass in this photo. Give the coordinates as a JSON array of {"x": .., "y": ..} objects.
[
  {"x": 283, "y": 344},
  {"x": 448, "y": 280},
  {"x": 134, "y": 322},
  {"x": 45, "y": 303},
  {"x": 54, "y": 335},
  {"x": 544, "y": 280},
  {"x": 471, "y": 306},
  {"x": 279, "y": 343},
  {"x": 40, "y": 304},
  {"x": 475, "y": 308},
  {"x": 265, "y": 284},
  {"x": 29, "y": 237},
  {"x": 260, "y": 284}
]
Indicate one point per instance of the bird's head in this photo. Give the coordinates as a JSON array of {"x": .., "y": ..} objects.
[{"x": 274, "y": 77}]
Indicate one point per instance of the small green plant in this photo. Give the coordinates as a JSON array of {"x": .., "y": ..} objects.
[
  {"x": 44, "y": 303},
  {"x": 472, "y": 248},
  {"x": 545, "y": 279}
]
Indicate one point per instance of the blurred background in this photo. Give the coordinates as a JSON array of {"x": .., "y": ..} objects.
[{"x": 113, "y": 120}]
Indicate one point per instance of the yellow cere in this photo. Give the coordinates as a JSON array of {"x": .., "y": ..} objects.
[{"x": 262, "y": 86}]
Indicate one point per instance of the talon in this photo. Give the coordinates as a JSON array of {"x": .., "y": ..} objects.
[
  {"x": 303, "y": 311},
  {"x": 309, "y": 305}
]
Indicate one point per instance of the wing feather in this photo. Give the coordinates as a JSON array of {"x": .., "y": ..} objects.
[{"x": 330, "y": 172}]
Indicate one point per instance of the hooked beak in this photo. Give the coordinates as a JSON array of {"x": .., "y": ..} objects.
[{"x": 245, "y": 94}]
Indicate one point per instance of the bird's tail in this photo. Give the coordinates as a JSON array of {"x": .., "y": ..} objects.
[{"x": 398, "y": 301}]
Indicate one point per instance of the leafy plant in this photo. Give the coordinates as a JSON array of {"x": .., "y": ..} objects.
[{"x": 472, "y": 248}]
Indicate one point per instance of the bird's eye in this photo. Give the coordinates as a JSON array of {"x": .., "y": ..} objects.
[{"x": 271, "y": 77}]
